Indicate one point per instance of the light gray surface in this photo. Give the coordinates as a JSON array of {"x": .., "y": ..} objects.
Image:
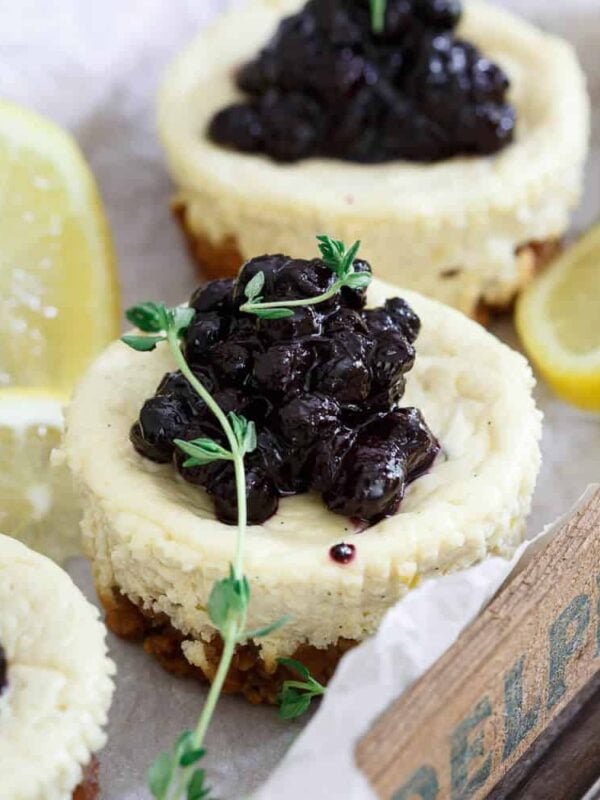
[{"x": 94, "y": 67}]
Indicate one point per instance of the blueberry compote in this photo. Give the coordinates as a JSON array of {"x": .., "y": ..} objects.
[
  {"x": 327, "y": 85},
  {"x": 322, "y": 386},
  {"x": 3, "y": 670}
]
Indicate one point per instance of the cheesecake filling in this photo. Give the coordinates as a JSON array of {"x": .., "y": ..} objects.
[
  {"x": 323, "y": 387},
  {"x": 337, "y": 80}
]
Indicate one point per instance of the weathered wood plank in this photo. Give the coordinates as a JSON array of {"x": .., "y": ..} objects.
[{"x": 464, "y": 726}]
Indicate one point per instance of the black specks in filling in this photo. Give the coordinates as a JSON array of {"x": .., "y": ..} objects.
[
  {"x": 3, "y": 670},
  {"x": 343, "y": 553},
  {"x": 323, "y": 388},
  {"x": 326, "y": 85}
]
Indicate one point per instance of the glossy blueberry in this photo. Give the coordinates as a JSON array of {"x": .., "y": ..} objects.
[
  {"x": 239, "y": 126},
  {"x": 213, "y": 296},
  {"x": 162, "y": 419},
  {"x": 261, "y": 496},
  {"x": 283, "y": 368},
  {"x": 307, "y": 418},
  {"x": 356, "y": 298}
]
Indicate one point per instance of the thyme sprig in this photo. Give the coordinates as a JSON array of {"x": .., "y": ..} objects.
[
  {"x": 175, "y": 774},
  {"x": 378, "y": 8},
  {"x": 295, "y": 696},
  {"x": 340, "y": 261}
]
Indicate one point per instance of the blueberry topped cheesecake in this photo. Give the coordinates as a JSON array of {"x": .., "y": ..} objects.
[
  {"x": 387, "y": 438},
  {"x": 55, "y": 681},
  {"x": 449, "y": 137}
]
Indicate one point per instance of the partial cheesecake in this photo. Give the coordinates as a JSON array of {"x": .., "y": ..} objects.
[
  {"x": 467, "y": 230},
  {"x": 55, "y": 681},
  {"x": 157, "y": 546}
]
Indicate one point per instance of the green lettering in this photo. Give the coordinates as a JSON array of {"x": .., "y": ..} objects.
[
  {"x": 423, "y": 784},
  {"x": 517, "y": 723},
  {"x": 567, "y": 636},
  {"x": 464, "y": 751}
]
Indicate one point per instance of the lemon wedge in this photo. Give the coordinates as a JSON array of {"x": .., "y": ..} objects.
[
  {"x": 58, "y": 289},
  {"x": 558, "y": 320},
  {"x": 37, "y": 501}
]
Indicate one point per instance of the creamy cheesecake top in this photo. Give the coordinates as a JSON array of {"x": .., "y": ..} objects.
[{"x": 58, "y": 678}]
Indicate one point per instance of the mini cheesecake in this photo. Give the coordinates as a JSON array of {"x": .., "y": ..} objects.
[
  {"x": 467, "y": 230},
  {"x": 55, "y": 681},
  {"x": 157, "y": 547}
]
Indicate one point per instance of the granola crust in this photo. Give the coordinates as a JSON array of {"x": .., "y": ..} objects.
[
  {"x": 224, "y": 258},
  {"x": 89, "y": 788},
  {"x": 247, "y": 676}
]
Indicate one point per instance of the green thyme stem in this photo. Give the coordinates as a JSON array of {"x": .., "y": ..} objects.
[
  {"x": 204, "y": 394},
  {"x": 238, "y": 459},
  {"x": 305, "y": 301},
  {"x": 236, "y": 623},
  {"x": 230, "y": 639},
  {"x": 378, "y": 15}
]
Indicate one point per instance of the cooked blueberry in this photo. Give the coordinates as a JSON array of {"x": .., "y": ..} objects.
[
  {"x": 198, "y": 475},
  {"x": 238, "y": 126},
  {"x": 231, "y": 362},
  {"x": 261, "y": 496},
  {"x": 298, "y": 279},
  {"x": 213, "y": 296},
  {"x": 269, "y": 265},
  {"x": 344, "y": 319},
  {"x": 283, "y": 368},
  {"x": 370, "y": 482},
  {"x": 392, "y": 357},
  {"x": 329, "y": 455},
  {"x": 441, "y": 14},
  {"x": 378, "y": 320},
  {"x": 305, "y": 321},
  {"x": 291, "y": 125},
  {"x": 205, "y": 331},
  {"x": 162, "y": 419},
  {"x": 286, "y": 466},
  {"x": 408, "y": 429},
  {"x": 356, "y": 298},
  {"x": 404, "y": 317},
  {"x": 307, "y": 418},
  {"x": 343, "y": 372}
]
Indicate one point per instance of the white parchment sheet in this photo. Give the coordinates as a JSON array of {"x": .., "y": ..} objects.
[{"x": 94, "y": 66}]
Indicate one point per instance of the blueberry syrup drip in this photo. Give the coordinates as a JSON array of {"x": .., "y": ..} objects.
[
  {"x": 323, "y": 388},
  {"x": 327, "y": 85},
  {"x": 3, "y": 670},
  {"x": 343, "y": 553}
]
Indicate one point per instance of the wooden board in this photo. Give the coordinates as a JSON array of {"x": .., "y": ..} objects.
[{"x": 512, "y": 710}]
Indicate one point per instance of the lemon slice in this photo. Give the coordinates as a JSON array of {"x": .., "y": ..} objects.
[
  {"x": 58, "y": 289},
  {"x": 558, "y": 320},
  {"x": 37, "y": 500}
]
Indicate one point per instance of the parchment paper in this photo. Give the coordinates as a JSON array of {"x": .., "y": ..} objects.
[{"x": 94, "y": 66}]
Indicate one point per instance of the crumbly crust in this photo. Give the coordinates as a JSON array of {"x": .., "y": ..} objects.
[
  {"x": 89, "y": 788},
  {"x": 248, "y": 675},
  {"x": 223, "y": 259}
]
